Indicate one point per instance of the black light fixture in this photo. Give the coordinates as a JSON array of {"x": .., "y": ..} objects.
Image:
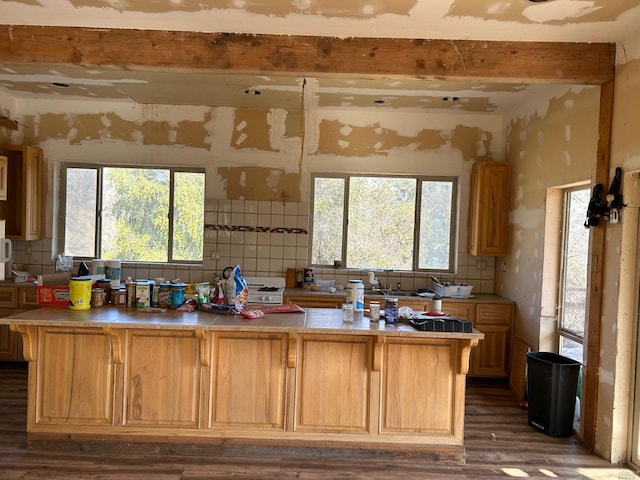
[{"x": 60, "y": 85}]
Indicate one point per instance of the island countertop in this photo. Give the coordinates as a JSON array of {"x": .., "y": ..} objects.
[{"x": 311, "y": 320}]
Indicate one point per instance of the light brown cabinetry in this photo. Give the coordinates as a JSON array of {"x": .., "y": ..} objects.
[
  {"x": 492, "y": 355},
  {"x": 14, "y": 300},
  {"x": 121, "y": 379},
  {"x": 248, "y": 388},
  {"x": 162, "y": 379},
  {"x": 23, "y": 206},
  {"x": 76, "y": 387},
  {"x": 340, "y": 364},
  {"x": 489, "y": 209},
  {"x": 315, "y": 301}
]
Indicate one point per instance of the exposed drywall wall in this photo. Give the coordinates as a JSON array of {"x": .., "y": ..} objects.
[
  {"x": 374, "y": 139},
  {"x": 260, "y": 183},
  {"x": 617, "y": 362},
  {"x": 551, "y": 146},
  {"x": 254, "y": 155},
  {"x": 8, "y": 110},
  {"x": 587, "y": 21}
]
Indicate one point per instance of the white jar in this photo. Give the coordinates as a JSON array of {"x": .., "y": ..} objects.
[{"x": 355, "y": 295}]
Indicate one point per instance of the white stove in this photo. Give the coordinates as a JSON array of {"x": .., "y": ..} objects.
[{"x": 265, "y": 290}]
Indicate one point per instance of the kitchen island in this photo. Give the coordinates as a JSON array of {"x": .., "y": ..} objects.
[{"x": 291, "y": 379}]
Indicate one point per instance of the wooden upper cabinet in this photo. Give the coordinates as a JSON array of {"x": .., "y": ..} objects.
[
  {"x": 489, "y": 209},
  {"x": 23, "y": 206}
]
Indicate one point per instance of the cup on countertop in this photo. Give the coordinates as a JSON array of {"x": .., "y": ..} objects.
[{"x": 347, "y": 312}]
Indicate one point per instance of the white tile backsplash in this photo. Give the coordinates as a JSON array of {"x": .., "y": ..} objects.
[{"x": 262, "y": 253}]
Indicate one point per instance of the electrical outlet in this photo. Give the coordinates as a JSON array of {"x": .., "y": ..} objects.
[
  {"x": 215, "y": 255},
  {"x": 481, "y": 265}
]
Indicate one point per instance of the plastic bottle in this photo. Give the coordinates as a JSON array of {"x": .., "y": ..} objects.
[{"x": 356, "y": 295}]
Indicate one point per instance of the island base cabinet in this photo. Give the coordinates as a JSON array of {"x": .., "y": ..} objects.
[
  {"x": 175, "y": 386},
  {"x": 249, "y": 381},
  {"x": 162, "y": 379},
  {"x": 333, "y": 384},
  {"x": 419, "y": 384},
  {"x": 74, "y": 379}
]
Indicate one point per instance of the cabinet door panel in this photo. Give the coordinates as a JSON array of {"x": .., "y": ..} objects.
[
  {"x": 333, "y": 378},
  {"x": 8, "y": 343},
  {"x": 249, "y": 386},
  {"x": 162, "y": 380},
  {"x": 75, "y": 377},
  {"x": 490, "y": 357},
  {"x": 426, "y": 389}
]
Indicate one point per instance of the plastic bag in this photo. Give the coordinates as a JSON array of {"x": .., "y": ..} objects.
[{"x": 237, "y": 292}]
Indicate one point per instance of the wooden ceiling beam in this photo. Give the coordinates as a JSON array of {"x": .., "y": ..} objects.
[{"x": 507, "y": 62}]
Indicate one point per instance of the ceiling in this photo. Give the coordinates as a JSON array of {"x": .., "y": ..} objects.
[{"x": 555, "y": 20}]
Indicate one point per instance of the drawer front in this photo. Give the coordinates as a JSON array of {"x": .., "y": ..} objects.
[
  {"x": 28, "y": 297},
  {"x": 462, "y": 310},
  {"x": 494, "y": 314},
  {"x": 8, "y": 297}
]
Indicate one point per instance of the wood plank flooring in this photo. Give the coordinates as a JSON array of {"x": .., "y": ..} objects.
[{"x": 499, "y": 443}]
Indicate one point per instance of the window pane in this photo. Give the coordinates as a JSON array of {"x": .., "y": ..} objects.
[
  {"x": 381, "y": 223},
  {"x": 80, "y": 212},
  {"x": 571, "y": 349},
  {"x": 135, "y": 214},
  {"x": 188, "y": 215},
  {"x": 435, "y": 225},
  {"x": 576, "y": 258},
  {"x": 328, "y": 208}
]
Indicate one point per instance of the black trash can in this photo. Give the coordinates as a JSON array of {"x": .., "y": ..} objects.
[{"x": 552, "y": 382}]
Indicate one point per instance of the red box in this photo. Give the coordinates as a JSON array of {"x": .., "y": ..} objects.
[{"x": 55, "y": 296}]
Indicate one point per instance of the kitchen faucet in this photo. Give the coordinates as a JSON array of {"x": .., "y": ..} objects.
[{"x": 375, "y": 283}]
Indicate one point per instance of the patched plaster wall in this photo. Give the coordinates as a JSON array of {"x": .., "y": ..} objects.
[
  {"x": 551, "y": 142},
  {"x": 255, "y": 160},
  {"x": 620, "y": 290}
]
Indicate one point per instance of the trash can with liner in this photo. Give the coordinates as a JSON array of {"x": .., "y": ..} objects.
[{"x": 552, "y": 382}]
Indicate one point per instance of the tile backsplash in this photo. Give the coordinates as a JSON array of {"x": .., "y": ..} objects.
[{"x": 264, "y": 238}]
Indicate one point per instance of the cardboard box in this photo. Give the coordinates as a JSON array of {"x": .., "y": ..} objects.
[{"x": 53, "y": 295}]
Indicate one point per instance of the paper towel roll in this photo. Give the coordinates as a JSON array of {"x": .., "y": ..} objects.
[{"x": 112, "y": 272}]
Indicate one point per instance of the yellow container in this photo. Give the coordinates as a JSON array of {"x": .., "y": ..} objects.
[{"x": 80, "y": 293}]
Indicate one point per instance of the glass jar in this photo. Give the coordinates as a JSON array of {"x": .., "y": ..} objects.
[
  {"x": 374, "y": 310},
  {"x": 391, "y": 310}
]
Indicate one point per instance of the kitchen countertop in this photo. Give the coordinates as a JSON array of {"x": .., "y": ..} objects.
[
  {"x": 312, "y": 320},
  {"x": 477, "y": 298}
]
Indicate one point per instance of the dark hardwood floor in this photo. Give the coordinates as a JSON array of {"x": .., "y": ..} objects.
[{"x": 499, "y": 444}]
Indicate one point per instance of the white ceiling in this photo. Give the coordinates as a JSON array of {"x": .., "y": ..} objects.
[{"x": 555, "y": 20}]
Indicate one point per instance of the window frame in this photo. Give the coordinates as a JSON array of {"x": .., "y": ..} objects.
[
  {"x": 99, "y": 167},
  {"x": 420, "y": 180},
  {"x": 563, "y": 331}
]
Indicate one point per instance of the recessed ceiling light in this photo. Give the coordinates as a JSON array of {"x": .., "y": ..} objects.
[
  {"x": 60, "y": 85},
  {"x": 252, "y": 91}
]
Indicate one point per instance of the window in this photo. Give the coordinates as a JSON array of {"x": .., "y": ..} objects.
[
  {"x": 574, "y": 274},
  {"x": 377, "y": 222},
  {"x": 132, "y": 214}
]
